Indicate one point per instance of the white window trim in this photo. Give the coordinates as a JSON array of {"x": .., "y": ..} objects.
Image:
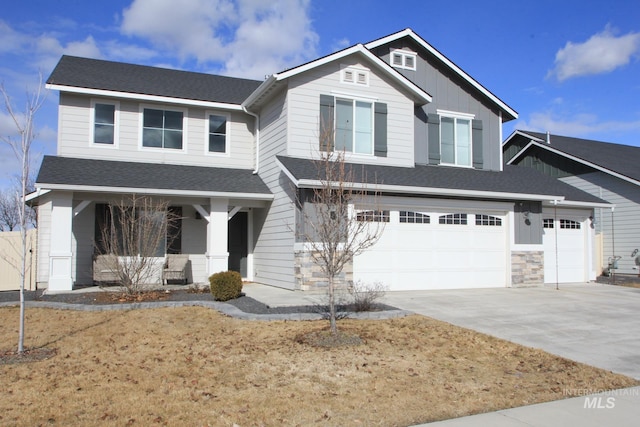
[
  {"x": 227, "y": 147},
  {"x": 116, "y": 123},
  {"x": 463, "y": 116},
  {"x": 184, "y": 112},
  {"x": 352, "y": 153},
  {"x": 357, "y": 71},
  {"x": 405, "y": 54}
]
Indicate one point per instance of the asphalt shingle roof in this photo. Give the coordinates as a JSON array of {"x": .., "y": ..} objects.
[
  {"x": 513, "y": 179},
  {"x": 140, "y": 79},
  {"x": 622, "y": 159},
  {"x": 105, "y": 173}
]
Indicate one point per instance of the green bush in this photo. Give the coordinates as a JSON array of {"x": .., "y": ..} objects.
[{"x": 225, "y": 285}]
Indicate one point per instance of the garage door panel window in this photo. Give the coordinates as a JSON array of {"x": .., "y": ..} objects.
[
  {"x": 488, "y": 220},
  {"x": 455, "y": 219},
  {"x": 569, "y": 224},
  {"x": 373, "y": 216},
  {"x": 547, "y": 223},
  {"x": 411, "y": 217}
]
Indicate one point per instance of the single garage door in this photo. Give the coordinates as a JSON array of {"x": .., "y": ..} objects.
[
  {"x": 565, "y": 246},
  {"x": 436, "y": 250}
]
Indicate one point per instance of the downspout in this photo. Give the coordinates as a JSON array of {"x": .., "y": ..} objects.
[{"x": 257, "y": 127}]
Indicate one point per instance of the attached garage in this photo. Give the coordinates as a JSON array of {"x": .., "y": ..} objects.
[
  {"x": 436, "y": 249},
  {"x": 566, "y": 246}
]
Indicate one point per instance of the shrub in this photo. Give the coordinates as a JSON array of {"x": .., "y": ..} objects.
[
  {"x": 225, "y": 285},
  {"x": 366, "y": 295}
]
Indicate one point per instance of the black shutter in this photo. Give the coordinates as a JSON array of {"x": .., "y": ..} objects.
[
  {"x": 476, "y": 141},
  {"x": 326, "y": 123},
  {"x": 380, "y": 129},
  {"x": 433, "y": 140}
]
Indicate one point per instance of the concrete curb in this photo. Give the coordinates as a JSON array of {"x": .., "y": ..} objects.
[{"x": 223, "y": 308}]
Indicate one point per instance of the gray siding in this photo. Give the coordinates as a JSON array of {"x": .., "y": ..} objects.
[
  {"x": 450, "y": 93},
  {"x": 274, "y": 240},
  {"x": 74, "y": 130},
  {"x": 303, "y": 101},
  {"x": 620, "y": 227},
  {"x": 528, "y": 223}
]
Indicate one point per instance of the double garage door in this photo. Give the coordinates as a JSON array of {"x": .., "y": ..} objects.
[{"x": 423, "y": 249}]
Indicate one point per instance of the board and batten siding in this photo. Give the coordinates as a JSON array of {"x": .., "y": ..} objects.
[
  {"x": 273, "y": 258},
  {"x": 451, "y": 93},
  {"x": 74, "y": 131},
  {"x": 304, "y": 112},
  {"x": 626, "y": 221}
]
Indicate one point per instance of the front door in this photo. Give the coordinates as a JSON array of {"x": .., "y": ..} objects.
[{"x": 238, "y": 245}]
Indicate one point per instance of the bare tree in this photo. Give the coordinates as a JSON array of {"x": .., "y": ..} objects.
[
  {"x": 24, "y": 123},
  {"x": 9, "y": 210},
  {"x": 331, "y": 228},
  {"x": 134, "y": 233}
]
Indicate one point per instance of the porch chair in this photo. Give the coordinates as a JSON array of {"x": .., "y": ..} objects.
[
  {"x": 103, "y": 269},
  {"x": 175, "y": 268}
]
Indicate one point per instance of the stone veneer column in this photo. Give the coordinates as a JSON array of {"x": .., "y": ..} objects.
[{"x": 527, "y": 268}]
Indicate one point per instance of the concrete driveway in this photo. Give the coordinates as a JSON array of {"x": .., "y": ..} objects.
[{"x": 591, "y": 323}]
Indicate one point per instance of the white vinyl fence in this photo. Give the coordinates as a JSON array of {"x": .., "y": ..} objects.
[{"x": 10, "y": 263}]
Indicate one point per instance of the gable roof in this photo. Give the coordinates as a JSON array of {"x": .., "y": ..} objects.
[
  {"x": 275, "y": 80},
  {"x": 622, "y": 161},
  {"x": 511, "y": 113},
  {"x": 74, "y": 74},
  {"x": 68, "y": 173},
  {"x": 513, "y": 183}
]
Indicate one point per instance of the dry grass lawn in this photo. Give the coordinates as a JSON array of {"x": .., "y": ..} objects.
[{"x": 192, "y": 366}]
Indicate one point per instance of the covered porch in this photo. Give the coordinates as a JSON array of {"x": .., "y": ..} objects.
[{"x": 214, "y": 208}]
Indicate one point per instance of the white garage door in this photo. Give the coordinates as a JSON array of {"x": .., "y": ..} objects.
[
  {"x": 437, "y": 250},
  {"x": 565, "y": 241}
]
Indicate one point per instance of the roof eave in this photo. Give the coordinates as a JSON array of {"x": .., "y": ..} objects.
[{"x": 144, "y": 97}]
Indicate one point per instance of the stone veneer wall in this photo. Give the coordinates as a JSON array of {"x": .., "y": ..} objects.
[
  {"x": 527, "y": 268},
  {"x": 309, "y": 275}
]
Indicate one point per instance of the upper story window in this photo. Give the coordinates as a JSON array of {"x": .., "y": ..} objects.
[
  {"x": 104, "y": 123},
  {"x": 218, "y": 133},
  {"x": 354, "y": 75},
  {"x": 162, "y": 128},
  {"x": 403, "y": 59},
  {"x": 355, "y": 126},
  {"x": 455, "y": 139}
]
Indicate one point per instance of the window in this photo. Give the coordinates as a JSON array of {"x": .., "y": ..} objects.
[
  {"x": 457, "y": 219},
  {"x": 373, "y": 216},
  {"x": 217, "y": 133},
  {"x": 162, "y": 129},
  {"x": 488, "y": 220},
  {"x": 355, "y": 76},
  {"x": 547, "y": 223},
  {"x": 455, "y": 140},
  {"x": 104, "y": 123},
  {"x": 569, "y": 224},
  {"x": 414, "y": 217},
  {"x": 403, "y": 59},
  {"x": 354, "y": 126}
]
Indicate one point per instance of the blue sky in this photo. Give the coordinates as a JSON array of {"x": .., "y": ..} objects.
[{"x": 568, "y": 67}]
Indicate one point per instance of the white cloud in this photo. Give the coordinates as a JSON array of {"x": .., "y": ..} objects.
[
  {"x": 602, "y": 53},
  {"x": 248, "y": 38},
  {"x": 577, "y": 125}
]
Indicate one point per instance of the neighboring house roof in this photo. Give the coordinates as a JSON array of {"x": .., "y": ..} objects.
[
  {"x": 514, "y": 183},
  {"x": 68, "y": 173},
  {"x": 79, "y": 74},
  {"x": 619, "y": 160},
  {"x": 275, "y": 80},
  {"x": 510, "y": 112}
]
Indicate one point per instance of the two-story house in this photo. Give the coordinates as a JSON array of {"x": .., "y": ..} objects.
[{"x": 231, "y": 154}]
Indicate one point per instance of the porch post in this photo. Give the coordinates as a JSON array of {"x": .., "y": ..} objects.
[
  {"x": 60, "y": 252},
  {"x": 217, "y": 235}
]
